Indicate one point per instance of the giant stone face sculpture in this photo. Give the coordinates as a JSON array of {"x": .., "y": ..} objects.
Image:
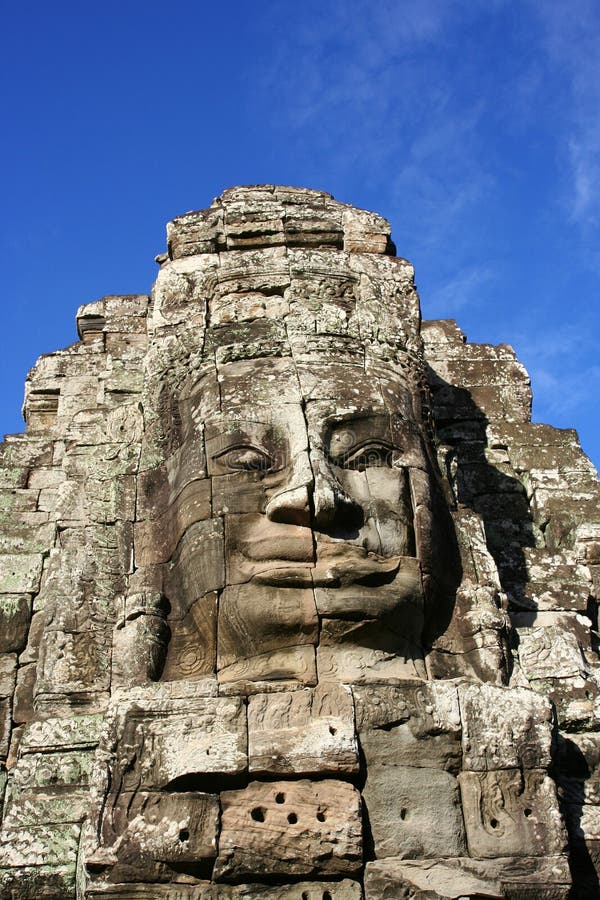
[
  {"x": 311, "y": 454},
  {"x": 297, "y": 600}
]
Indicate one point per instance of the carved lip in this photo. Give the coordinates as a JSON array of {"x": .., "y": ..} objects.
[
  {"x": 336, "y": 571},
  {"x": 293, "y": 551},
  {"x": 293, "y": 576}
]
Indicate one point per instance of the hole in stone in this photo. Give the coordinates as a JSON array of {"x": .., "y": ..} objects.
[
  {"x": 305, "y": 896},
  {"x": 332, "y": 730},
  {"x": 280, "y": 798},
  {"x": 494, "y": 823},
  {"x": 258, "y": 814},
  {"x": 292, "y": 818},
  {"x": 402, "y": 813},
  {"x": 321, "y": 816},
  {"x": 184, "y": 835},
  {"x": 527, "y": 812},
  {"x": 326, "y": 895}
]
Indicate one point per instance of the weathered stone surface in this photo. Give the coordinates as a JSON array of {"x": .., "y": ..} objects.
[
  {"x": 344, "y": 654},
  {"x": 49, "y": 788},
  {"x": 431, "y": 879},
  {"x": 147, "y": 828},
  {"x": 180, "y": 737},
  {"x": 254, "y": 621},
  {"x": 489, "y": 743},
  {"x": 39, "y": 881},
  {"x": 307, "y": 732},
  {"x": 15, "y": 616},
  {"x": 20, "y": 572},
  {"x": 414, "y": 724},
  {"x": 545, "y": 878},
  {"x": 399, "y": 802},
  {"x": 48, "y": 845},
  {"x": 509, "y": 812},
  {"x": 267, "y": 526},
  {"x": 306, "y": 890},
  {"x": 192, "y": 650},
  {"x": 290, "y": 828}
]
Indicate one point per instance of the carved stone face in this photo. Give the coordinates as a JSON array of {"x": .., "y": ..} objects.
[
  {"x": 315, "y": 470},
  {"x": 296, "y": 558}
]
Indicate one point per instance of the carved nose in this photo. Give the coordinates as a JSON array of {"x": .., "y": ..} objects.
[
  {"x": 315, "y": 498},
  {"x": 332, "y": 506},
  {"x": 291, "y": 507}
]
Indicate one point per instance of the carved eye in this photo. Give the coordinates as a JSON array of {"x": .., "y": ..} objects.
[
  {"x": 373, "y": 453},
  {"x": 245, "y": 458}
]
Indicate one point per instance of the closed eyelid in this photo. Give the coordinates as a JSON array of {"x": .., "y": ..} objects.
[
  {"x": 240, "y": 445},
  {"x": 361, "y": 448},
  {"x": 245, "y": 457}
]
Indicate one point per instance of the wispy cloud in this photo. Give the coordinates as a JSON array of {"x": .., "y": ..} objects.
[
  {"x": 466, "y": 289},
  {"x": 564, "y": 374},
  {"x": 571, "y": 34},
  {"x": 561, "y": 395},
  {"x": 374, "y": 92}
]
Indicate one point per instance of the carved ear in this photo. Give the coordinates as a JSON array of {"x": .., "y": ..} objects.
[
  {"x": 437, "y": 549},
  {"x": 141, "y": 638}
]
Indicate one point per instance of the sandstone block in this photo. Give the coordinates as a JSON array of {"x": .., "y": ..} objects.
[
  {"x": 20, "y": 572},
  {"x": 156, "y": 540},
  {"x": 416, "y": 723},
  {"x": 74, "y": 662},
  {"x": 399, "y": 801},
  {"x": 8, "y": 672},
  {"x": 299, "y": 828},
  {"x": 504, "y": 728},
  {"x": 362, "y": 652},
  {"x": 159, "y": 487},
  {"x": 197, "y": 566},
  {"x": 5, "y": 726},
  {"x": 23, "y": 538},
  {"x": 192, "y": 648},
  {"x": 204, "y": 737},
  {"x": 276, "y": 670},
  {"x": 39, "y": 882},
  {"x": 553, "y": 649},
  {"x": 77, "y": 732},
  {"x": 509, "y": 878},
  {"x": 150, "y": 826},
  {"x": 49, "y": 845},
  {"x": 306, "y": 732},
  {"x": 48, "y": 788},
  {"x": 301, "y": 890},
  {"x": 425, "y": 880},
  {"x": 511, "y": 813}
]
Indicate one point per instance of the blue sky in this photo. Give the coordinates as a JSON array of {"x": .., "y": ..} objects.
[{"x": 473, "y": 126}]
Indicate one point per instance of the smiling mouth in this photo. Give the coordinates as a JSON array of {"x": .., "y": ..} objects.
[{"x": 336, "y": 571}]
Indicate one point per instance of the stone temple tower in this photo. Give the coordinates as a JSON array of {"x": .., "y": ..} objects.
[{"x": 296, "y": 602}]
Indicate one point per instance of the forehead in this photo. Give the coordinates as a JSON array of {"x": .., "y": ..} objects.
[{"x": 274, "y": 388}]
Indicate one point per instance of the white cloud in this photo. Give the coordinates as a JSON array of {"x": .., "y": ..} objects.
[
  {"x": 560, "y": 395},
  {"x": 375, "y": 96},
  {"x": 564, "y": 375},
  {"x": 465, "y": 289},
  {"x": 572, "y": 41}
]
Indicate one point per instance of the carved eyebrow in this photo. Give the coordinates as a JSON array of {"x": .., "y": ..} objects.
[{"x": 374, "y": 413}]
